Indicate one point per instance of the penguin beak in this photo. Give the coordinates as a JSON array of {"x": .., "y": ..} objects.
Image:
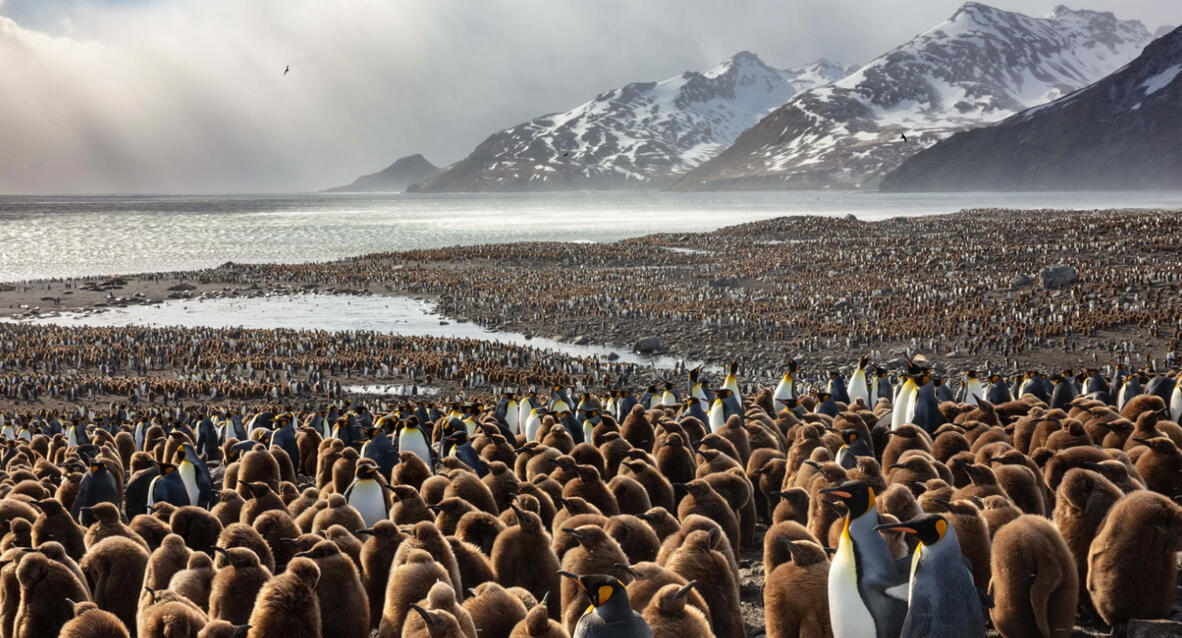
[
  {"x": 626, "y": 568},
  {"x": 902, "y": 527},
  {"x": 835, "y": 491},
  {"x": 573, "y": 532},
  {"x": 360, "y": 532},
  {"x": 685, "y": 590}
]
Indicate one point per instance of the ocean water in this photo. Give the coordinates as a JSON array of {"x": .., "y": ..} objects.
[{"x": 43, "y": 237}]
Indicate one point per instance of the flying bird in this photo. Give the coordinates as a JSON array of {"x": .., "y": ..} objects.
[
  {"x": 286, "y": 69},
  {"x": 904, "y": 136}
]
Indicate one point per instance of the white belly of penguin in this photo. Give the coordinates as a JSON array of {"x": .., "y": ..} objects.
[
  {"x": 899, "y": 415},
  {"x": 367, "y": 498},
  {"x": 848, "y": 613},
  {"x": 856, "y": 388},
  {"x": 717, "y": 416},
  {"x": 8, "y": 433},
  {"x": 415, "y": 443},
  {"x": 189, "y": 478},
  {"x": 1176, "y": 404},
  {"x": 531, "y": 427},
  {"x": 513, "y": 418}
]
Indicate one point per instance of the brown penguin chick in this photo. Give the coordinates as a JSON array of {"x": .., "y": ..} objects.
[
  {"x": 635, "y": 537},
  {"x": 19, "y": 534},
  {"x": 538, "y": 624},
  {"x": 1034, "y": 584},
  {"x": 229, "y": 507},
  {"x": 481, "y": 529},
  {"x": 648, "y": 578},
  {"x": 169, "y": 614},
  {"x": 661, "y": 521},
  {"x": 1084, "y": 499},
  {"x": 343, "y": 472},
  {"x": 948, "y": 443},
  {"x": 10, "y": 589},
  {"x": 308, "y": 442},
  {"x": 377, "y": 554},
  {"x": 701, "y": 499},
  {"x": 409, "y": 582},
  {"x": 115, "y": 568},
  {"x": 587, "y": 454},
  {"x": 573, "y": 508},
  {"x": 1140, "y": 404},
  {"x": 162, "y": 511},
  {"x": 223, "y": 629},
  {"x": 911, "y": 471},
  {"x": 1057, "y": 465},
  {"x": 276, "y": 529},
  {"x": 614, "y": 449},
  {"x": 448, "y": 513},
  {"x": 796, "y": 594},
  {"x": 434, "y": 489},
  {"x": 410, "y": 471},
  {"x": 236, "y": 584},
  {"x": 675, "y": 461},
  {"x": 716, "y": 454},
  {"x": 898, "y": 501},
  {"x": 733, "y": 486},
  {"x": 425, "y": 536},
  {"x": 545, "y": 503},
  {"x": 195, "y": 581},
  {"x": 984, "y": 483},
  {"x": 306, "y": 499},
  {"x": 698, "y": 560},
  {"x": 1023, "y": 486},
  {"x": 542, "y": 460},
  {"x": 502, "y": 483},
  {"x": 409, "y": 507},
  {"x": 287, "y": 606},
  {"x": 239, "y": 535},
  {"x": 869, "y": 471},
  {"x": 1132, "y": 563},
  {"x": 327, "y": 453},
  {"x": 43, "y": 586},
  {"x": 338, "y": 512},
  {"x": 630, "y": 495},
  {"x": 997, "y": 511},
  {"x": 465, "y": 485},
  {"x": 637, "y": 429},
  {"x": 589, "y": 486},
  {"x": 775, "y": 546},
  {"x": 1161, "y": 466},
  {"x": 596, "y": 553},
  {"x": 257, "y": 465},
  {"x": 199, "y": 528},
  {"x": 54, "y": 551},
  {"x": 905, "y": 437},
  {"x": 494, "y": 610},
  {"x": 765, "y": 470},
  {"x": 790, "y": 505},
  {"x": 669, "y": 617},
  {"x": 55, "y": 524},
  {"x": 261, "y": 498},
  {"x": 91, "y": 622},
  {"x": 344, "y": 607},
  {"x": 441, "y": 597},
  {"x": 734, "y": 432},
  {"x": 474, "y": 565},
  {"x": 1070, "y": 435}
]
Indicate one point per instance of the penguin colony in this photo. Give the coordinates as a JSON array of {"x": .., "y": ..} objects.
[
  {"x": 1027, "y": 506},
  {"x": 816, "y": 286}
]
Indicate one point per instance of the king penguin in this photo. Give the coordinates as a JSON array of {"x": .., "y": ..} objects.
[
  {"x": 1176, "y": 399},
  {"x": 837, "y": 387},
  {"x": 786, "y": 389},
  {"x": 904, "y": 403},
  {"x": 997, "y": 392},
  {"x": 411, "y": 438},
  {"x": 610, "y": 614},
  {"x": 853, "y": 446},
  {"x": 379, "y": 449},
  {"x": 698, "y": 389},
  {"x": 867, "y": 590},
  {"x": 732, "y": 381},
  {"x": 198, "y": 484},
  {"x": 623, "y": 406},
  {"x": 167, "y": 487},
  {"x": 693, "y": 408},
  {"x": 1095, "y": 382},
  {"x": 859, "y": 387},
  {"x": 717, "y": 414},
  {"x": 1130, "y": 389},
  {"x": 525, "y": 409},
  {"x": 366, "y": 495},
  {"x": 942, "y": 598},
  {"x": 971, "y": 389}
]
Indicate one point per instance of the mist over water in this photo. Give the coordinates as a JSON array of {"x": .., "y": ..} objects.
[{"x": 45, "y": 237}]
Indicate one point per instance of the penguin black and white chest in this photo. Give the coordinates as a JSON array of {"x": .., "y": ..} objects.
[
  {"x": 866, "y": 584},
  {"x": 942, "y": 598},
  {"x": 610, "y": 614},
  {"x": 853, "y": 447}
]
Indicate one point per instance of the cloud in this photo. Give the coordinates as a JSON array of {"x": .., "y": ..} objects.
[{"x": 189, "y": 95}]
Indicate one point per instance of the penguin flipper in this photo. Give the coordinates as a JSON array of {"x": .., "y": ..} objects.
[
  {"x": 901, "y": 592},
  {"x": 349, "y": 490}
]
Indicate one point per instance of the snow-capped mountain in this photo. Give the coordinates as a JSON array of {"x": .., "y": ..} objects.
[
  {"x": 980, "y": 66},
  {"x": 1119, "y": 133},
  {"x": 643, "y": 135}
]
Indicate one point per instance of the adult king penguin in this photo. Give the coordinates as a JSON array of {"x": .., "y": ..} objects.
[
  {"x": 610, "y": 614},
  {"x": 366, "y": 495},
  {"x": 859, "y": 386},
  {"x": 866, "y": 587},
  {"x": 970, "y": 389},
  {"x": 411, "y": 438},
  {"x": 942, "y": 598},
  {"x": 786, "y": 389}
]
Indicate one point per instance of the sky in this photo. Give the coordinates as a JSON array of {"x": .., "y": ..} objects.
[{"x": 189, "y": 96}]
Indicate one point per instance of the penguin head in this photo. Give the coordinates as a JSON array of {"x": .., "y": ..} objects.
[
  {"x": 858, "y": 496},
  {"x": 849, "y": 435},
  {"x": 600, "y": 588},
  {"x": 365, "y": 471},
  {"x": 928, "y": 528}
]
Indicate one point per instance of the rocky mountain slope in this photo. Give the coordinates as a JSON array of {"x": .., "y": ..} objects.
[
  {"x": 1120, "y": 133},
  {"x": 980, "y": 66},
  {"x": 644, "y": 135},
  {"x": 399, "y": 176}
]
